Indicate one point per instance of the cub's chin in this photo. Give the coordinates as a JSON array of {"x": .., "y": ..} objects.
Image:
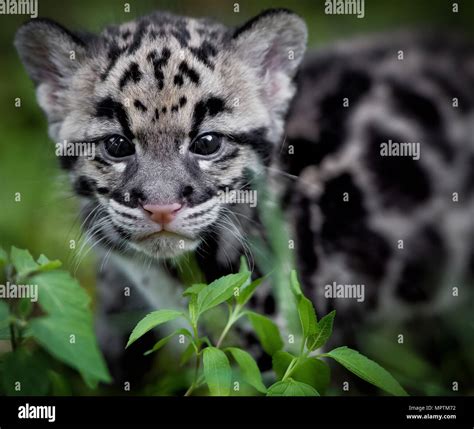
[{"x": 165, "y": 245}]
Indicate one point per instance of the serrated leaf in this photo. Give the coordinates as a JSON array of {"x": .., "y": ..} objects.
[
  {"x": 323, "y": 332},
  {"x": 367, "y": 369},
  {"x": 217, "y": 371},
  {"x": 291, "y": 387},
  {"x": 22, "y": 367},
  {"x": 166, "y": 339},
  {"x": 249, "y": 368},
  {"x": 247, "y": 291},
  {"x": 194, "y": 289},
  {"x": 59, "y": 294},
  {"x": 71, "y": 341},
  {"x": 267, "y": 332},
  {"x": 47, "y": 265},
  {"x": 219, "y": 291},
  {"x": 23, "y": 262},
  {"x": 150, "y": 321}
]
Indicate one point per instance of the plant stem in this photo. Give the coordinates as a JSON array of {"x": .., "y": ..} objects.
[
  {"x": 13, "y": 336},
  {"x": 291, "y": 367},
  {"x": 233, "y": 317},
  {"x": 194, "y": 384}
]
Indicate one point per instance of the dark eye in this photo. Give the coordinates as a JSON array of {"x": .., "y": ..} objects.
[
  {"x": 118, "y": 147},
  {"x": 207, "y": 144}
]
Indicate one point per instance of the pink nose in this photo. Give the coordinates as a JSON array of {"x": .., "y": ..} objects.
[{"x": 162, "y": 213}]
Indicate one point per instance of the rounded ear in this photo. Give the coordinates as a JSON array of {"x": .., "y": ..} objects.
[
  {"x": 51, "y": 55},
  {"x": 273, "y": 43}
]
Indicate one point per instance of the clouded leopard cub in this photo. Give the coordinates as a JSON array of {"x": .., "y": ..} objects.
[{"x": 177, "y": 109}]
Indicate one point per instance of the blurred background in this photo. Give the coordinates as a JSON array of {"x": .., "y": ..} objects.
[{"x": 38, "y": 211}]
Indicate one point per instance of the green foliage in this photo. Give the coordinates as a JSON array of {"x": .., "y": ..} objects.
[
  {"x": 302, "y": 374},
  {"x": 60, "y": 322}
]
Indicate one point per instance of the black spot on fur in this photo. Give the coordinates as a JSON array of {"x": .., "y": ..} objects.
[
  {"x": 110, "y": 109},
  {"x": 157, "y": 115},
  {"x": 138, "y": 37},
  {"x": 181, "y": 33},
  {"x": 140, "y": 106},
  {"x": 159, "y": 64},
  {"x": 423, "y": 110},
  {"x": 204, "y": 53},
  {"x": 174, "y": 108},
  {"x": 133, "y": 73},
  {"x": 85, "y": 186},
  {"x": 307, "y": 256},
  {"x": 211, "y": 106},
  {"x": 113, "y": 55},
  {"x": 192, "y": 74},
  {"x": 178, "y": 80},
  {"x": 345, "y": 228},
  {"x": 163, "y": 110},
  {"x": 423, "y": 269},
  {"x": 103, "y": 190},
  {"x": 182, "y": 101},
  {"x": 401, "y": 181},
  {"x": 256, "y": 139}
]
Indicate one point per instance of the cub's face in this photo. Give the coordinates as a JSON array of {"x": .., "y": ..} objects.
[{"x": 155, "y": 118}]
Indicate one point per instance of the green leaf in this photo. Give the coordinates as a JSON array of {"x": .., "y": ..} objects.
[
  {"x": 267, "y": 332},
  {"x": 4, "y": 321},
  {"x": 194, "y": 289},
  {"x": 72, "y": 341},
  {"x": 187, "y": 354},
  {"x": 307, "y": 316},
  {"x": 247, "y": 291},
  {"x": 166, "y": 339},
  {"x": 310, "y": 371},
  {"x": 23, "y": 262},
  {"x": 291, "y": 387},
  {"x": 250, "y": 372},
  {"x": 3, "y": 257},
  {"x": 366, "y": 369},
  {"x": 323, "y": 333},
  {"x": 46, "y": 264},
  {"x": 59, "y": 384},
  {"x": 24, "y": 306},
  {"x": 219, "y": 291},
  {"x": 59, "y": 294},
  {"x": 26, "y": 369},
  {"x": 217, "y": 371},
  {"x": 295, "y": 284},
  {"x": 152, "y": 320}
]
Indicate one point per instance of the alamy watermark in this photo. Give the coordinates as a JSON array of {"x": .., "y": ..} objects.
[
  {"x": 19, "y": 7},
  {"x": 408, "y": 149},
  {"x": 238, "y": 196},
  {"x": 76, "y": 149},
  {"x": 345, "y": 7},
  {"x": 14, "y": 291},
  {"x": 345, "y": 291}
]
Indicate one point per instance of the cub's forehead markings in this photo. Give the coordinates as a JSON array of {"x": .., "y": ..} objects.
[{"x": 132, "y": 73}]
